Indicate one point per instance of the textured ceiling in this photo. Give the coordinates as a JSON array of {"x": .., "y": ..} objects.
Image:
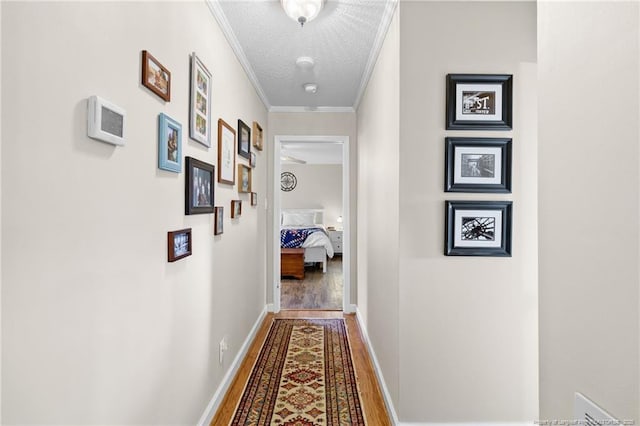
[{"x": 343, "y": 40}]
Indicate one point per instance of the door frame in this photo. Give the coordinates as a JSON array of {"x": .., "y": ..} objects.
[{"x": 346, "y": 208}]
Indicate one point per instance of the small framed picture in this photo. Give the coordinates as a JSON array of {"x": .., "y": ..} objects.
[
  {"x": 479, "y": 101},
  {"x": 226, "y": 153},
  {"x": 199, "y": 184},
  {"x": 236, "y": 209},
  {"x": 218, "y": 227},
  {"x": 244, "y": 140},
  {"x": 156, "y": 77},
  {"x": 478, "y": 165},
  {"x": 178, "y": 244},
  {"x": 169, "y": 144},
  {"x": 257, "y": 136},
  {"x": 478, "y": 228},
  {"x": 244, "y": 178},
  {"x": 254, "y": 199},
  {"x": 200, "y": 102},
  {"x": 252, "y": 161}
]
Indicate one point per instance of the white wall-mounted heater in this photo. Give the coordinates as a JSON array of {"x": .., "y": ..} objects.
[{"x": 589, "y": 414}]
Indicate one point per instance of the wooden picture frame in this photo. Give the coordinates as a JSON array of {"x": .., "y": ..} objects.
[
  {"x": 226, "y": 153},
  {"x": 169, "y": 144},
  {"x": 218, "y": 225},
  {"x": 478, "y": 228},
  {"x": 200, "y": 102},
  {"x": 244, "y": 140},
  {"x": 479, "y": 101},
  {"x": 156, "y": 77},
  {"x": 257, "y": 136},
  {"x": 254, "y": 199},
  {"x": 244, "y": 178},
  {"x": 236, "y": 209},
  {"x": 478, "y": 165},
  {"x": 179, "y": 244},
  {"x": 199, "y": 187}
]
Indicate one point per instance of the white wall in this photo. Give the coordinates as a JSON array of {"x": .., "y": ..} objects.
[
  {"x": 315, "y": 124},
  {"x": 97, "y": 327},
  {"x": 378, "y": 208},
  {"x": 589, "y": 227},
  {"x": 468, "y": 325},
  {"x": 319, "y": 187}
]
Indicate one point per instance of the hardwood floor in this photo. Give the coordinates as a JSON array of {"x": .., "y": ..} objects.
[
  {"x": 316, "y": 290},
  {"x": 373, "y": 406}
]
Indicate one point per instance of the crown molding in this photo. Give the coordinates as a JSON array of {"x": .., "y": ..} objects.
[
  {"x": 220, "y": 17},
  {"x": 310, "y": 109},
  {"x": 385, "y": 22}
]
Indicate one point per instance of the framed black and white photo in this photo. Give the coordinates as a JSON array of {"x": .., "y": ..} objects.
[
  {"x": 244, "y": 140},
  {"x": 478, "y": 165},
  {"x": 478, "y": 228},
  {"x": 178, "y": 244},
  {"x": 199, "y": 184},
  {"x": 479, "y": 101},
  {"x": 200, "y": 102}
]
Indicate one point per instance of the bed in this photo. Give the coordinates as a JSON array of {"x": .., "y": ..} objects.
[{"x": 304, "y": 228}]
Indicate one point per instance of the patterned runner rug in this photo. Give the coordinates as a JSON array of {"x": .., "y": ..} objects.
[{"x": 303, "y": 377}]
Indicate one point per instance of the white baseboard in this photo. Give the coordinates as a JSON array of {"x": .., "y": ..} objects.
[
  {"x": 351, "y": 309},
  {"x": 218, "y": 396},
  {"x": 376, "y": 366}
]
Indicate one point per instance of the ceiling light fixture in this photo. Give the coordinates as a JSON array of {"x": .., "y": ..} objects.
[
  {"x": 302, "y": 11},
  {"x": 305, "y": 62},
  {"x": 310, "y": 87}
]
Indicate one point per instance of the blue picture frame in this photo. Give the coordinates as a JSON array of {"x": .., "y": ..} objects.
[{"x": 169, "y": 144}]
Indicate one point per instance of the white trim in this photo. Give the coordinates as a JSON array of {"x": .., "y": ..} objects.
[
  {"x": 376, "y": 366},
  {"x": 219, "y": 394},
  {"x": 310, "y": 109},
  {"x": 346, "y": 199},
  {"x": 221, "y": 18},
  {"x": 385, "y": 22}
]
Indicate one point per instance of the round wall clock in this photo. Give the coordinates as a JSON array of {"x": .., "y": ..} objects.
[{"x": 288, "y": 181}]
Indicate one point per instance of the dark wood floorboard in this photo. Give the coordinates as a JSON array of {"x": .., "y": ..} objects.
[{"x": 316, "y": 290}]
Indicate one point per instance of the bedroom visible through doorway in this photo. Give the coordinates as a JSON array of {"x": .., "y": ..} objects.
[{"x": 310, "y": 223}]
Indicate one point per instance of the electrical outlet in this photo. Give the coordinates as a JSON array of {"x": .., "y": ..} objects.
[{"x": 223, "y": 347}]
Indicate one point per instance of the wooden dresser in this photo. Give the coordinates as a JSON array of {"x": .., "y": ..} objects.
[{"x": 292, "y": 263}]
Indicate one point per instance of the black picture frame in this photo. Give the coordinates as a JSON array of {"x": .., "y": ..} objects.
[
  {"x": 477, "y": 165},
  {"x": 218, "y": 226},
  {"x": 468, "y": 109},
  {"x": 484, "y": 231},
  {"x": 179, "y": 244},
  {"x": 199, "y": 187},
  {"x": 244, "y": 140}
]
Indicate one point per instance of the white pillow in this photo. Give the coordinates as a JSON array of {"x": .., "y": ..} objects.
[{"x": 298, "y": 219}]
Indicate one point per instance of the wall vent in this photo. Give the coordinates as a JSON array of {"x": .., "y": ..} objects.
[{"x": 589, "y": 414}]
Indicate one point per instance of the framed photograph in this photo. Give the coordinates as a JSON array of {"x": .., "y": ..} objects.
[
  {"x": 156, "y": 77},
  {"x": 244, "y": 178},
  {"x": 169, "y": 144},
  {"x": 178, "y": 244},
  {"x": 236, "y": 209},
  {"x": 478, "y": 228},
  {"x": 254, "y": 199},
  {"x": 218, "y": 227},
  {"x": 257, "y": 136},
  {"x": 252, "y": 160},
  {"x": 479, "y": 101},
  {"x": 477, "y": 165},
  {"x": 200, "y": 102},
  {"x": 199, "y": 183},
  {"x": 226, "y": 153},
  {"x": 244, "y": 140}
]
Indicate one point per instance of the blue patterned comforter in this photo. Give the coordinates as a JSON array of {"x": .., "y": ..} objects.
[{"x": 294, "y": 238}]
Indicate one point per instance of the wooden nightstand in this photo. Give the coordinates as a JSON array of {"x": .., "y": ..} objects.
[
  {"x": 336, "y": 241},
  {"x": 292, "y": 263}
]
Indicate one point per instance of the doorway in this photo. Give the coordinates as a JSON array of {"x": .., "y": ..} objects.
[{"x": 291, "y": 153}]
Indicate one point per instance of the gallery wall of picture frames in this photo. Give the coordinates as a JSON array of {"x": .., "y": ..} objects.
[
  {"x": 478, "y": 165},
  {"x": 106, "y": 122}
]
